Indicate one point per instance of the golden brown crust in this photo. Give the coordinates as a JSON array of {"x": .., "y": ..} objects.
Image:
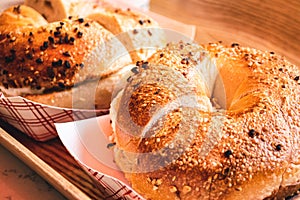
[
  {"x": 139, "y": 33},
  {"x": 56, "y": 57},
  {"x": 247, "y": 151},
  {"x": 45, "y": 57},
  {"x": 21, "y": 15}
]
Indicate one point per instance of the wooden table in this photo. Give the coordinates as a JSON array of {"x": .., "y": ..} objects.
[{"x": 269, "y": 24}]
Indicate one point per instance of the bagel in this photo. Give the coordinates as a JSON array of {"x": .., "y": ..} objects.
[
  {"x": 62, "y": 63},
  {"x": 209, "y": 122},
  {"x": 139, "y": 33}
]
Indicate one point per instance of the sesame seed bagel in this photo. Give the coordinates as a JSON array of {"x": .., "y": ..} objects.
[
  {"x": 53, "y": 59},
  {"x": 210, "y": 122}
]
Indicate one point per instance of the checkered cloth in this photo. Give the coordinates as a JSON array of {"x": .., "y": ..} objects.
[{"x": 37, "y": 120}]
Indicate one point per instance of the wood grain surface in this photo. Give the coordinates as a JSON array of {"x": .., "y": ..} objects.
[
  {"x": 264, "y": 24},
  {"x": 52, "y": 161}
]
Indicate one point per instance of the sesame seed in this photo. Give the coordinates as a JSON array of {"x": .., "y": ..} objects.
[
  {"x": 58, "y": 28},
  {"x": 72, "y": 40},
  {"x": 141, "y": 22},
  {"x": 185, "y": 61},
  {"x": 129, "y": 79},
  {"x": 67, "y": 54},
  {"x": 234, "y": 45},
  {"x": 186, "y": 189},
  {"x": 66, "y": 39},
  {"x": 30, "y": 40},
  {"x": 228, "y": 153},
  {"x": 138, "y": 63},
  {"x": 80, "y": 20},
  {"x": 251, "y": 133},
  {"x": 173, "y": 189},
  {"x": 145, "y": 65},
  {"x": 154, "y": 187},
  {"x": 110, "y": 145},
  {"x": 17, "y": 9},
  {"x": 226, "y": 171},
  {"x": 57, "y": 33},
  {"x": 296, "y": 78},
  {"x": 44, "y": 46},
  {"x": 135, "y": 70},
  {"x": 157, "y": 91},
  {"x": 278, "y": 147},
  {"x": 135, "y": 31},
  {"x": 12, "y": 39},
  {"x": 61, "y": 84},
  {"x": 51, "y": 39},
  {"x": 39, "y": 60},
  {"x": 57, "y": 63},
  {"x": 79, "y": 34},
  {"x": 158, "y": 181}
]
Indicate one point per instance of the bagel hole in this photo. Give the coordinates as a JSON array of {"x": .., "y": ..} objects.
[{"x": 218, "y": 97}]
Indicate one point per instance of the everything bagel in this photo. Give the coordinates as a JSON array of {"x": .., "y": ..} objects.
[
  {"x": 51, "y": 63},
  {"x": 210, "y": 122}
]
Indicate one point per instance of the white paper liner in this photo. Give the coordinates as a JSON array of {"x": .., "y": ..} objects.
[{"x": 87, "y": 141}]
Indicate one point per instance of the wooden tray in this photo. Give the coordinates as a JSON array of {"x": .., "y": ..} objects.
[
  {"x": 52, "y": 161},
  {"x": 270, "y": 24}
]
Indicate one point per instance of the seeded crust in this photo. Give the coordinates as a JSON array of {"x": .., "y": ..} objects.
[
  {"x": 247, "y": 150},
  {"x": 139, "y": 33},
  {"x": 57, "y": 56}
]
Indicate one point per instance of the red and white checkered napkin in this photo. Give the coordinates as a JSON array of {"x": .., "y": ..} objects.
[
  {"x": 87, "y": 141},
  {"x": 37, "y": 120}
]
